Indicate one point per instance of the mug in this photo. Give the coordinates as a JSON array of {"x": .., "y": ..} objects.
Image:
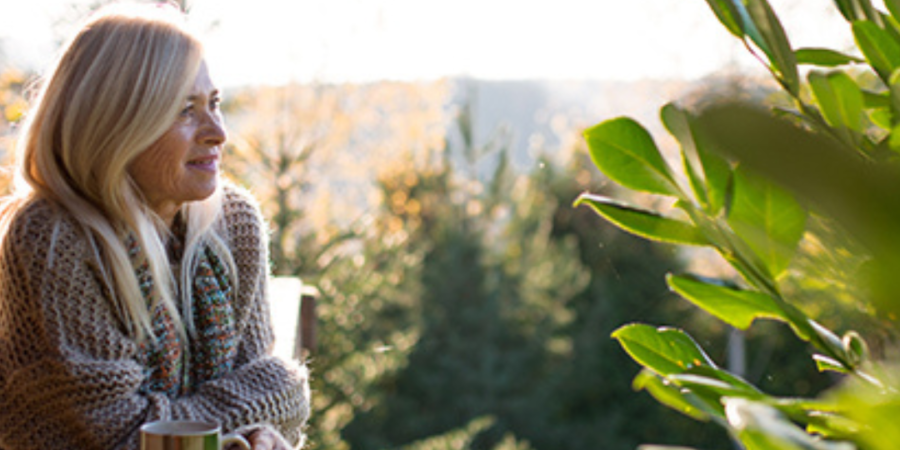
[{"x": 186, "y": 435}]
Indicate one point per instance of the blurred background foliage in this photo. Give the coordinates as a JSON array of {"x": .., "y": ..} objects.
[{"x": 461, "y": 308}]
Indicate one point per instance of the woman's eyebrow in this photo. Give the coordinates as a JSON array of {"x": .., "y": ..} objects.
[{"x": 212, "y": 93}]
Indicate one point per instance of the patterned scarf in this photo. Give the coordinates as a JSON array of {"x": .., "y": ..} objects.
[{"x": 168, "y": 368}]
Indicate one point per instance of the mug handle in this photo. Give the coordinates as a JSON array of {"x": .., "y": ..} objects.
[{"x": 235, "y": 439}]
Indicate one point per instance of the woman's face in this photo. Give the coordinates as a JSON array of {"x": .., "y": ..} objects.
[{"x": 183, "y": 164}]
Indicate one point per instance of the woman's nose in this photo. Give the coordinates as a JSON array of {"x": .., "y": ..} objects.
[{"x": 212, "y": 131}]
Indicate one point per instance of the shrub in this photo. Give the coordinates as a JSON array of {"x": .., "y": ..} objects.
[{"x": 760, "y": 186}]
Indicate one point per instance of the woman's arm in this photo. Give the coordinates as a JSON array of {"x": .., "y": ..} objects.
[
  {"x": 247, "y": 236},
  {"x": 69, "y": 376}
]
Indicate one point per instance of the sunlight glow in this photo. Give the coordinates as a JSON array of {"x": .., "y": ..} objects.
[{"x": 275, "y": 41}]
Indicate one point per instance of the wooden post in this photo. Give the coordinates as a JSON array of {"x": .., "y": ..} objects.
[{"x": 305, "y": 344}]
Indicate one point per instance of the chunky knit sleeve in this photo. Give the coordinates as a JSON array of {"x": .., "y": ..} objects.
[
  {"x": 280, "y": 388},
  {"x": 69, "y": 376}
]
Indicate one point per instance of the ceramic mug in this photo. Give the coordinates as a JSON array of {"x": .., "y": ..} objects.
[{"x": 187, "y": 435}]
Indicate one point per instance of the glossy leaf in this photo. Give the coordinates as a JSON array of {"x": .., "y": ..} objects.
[
  {"x": 663, "y": 447},
  {"x": 707, "y": 172},
  {"x": 738, "y": 308},
  {"x": 647, "y": 224},
  {"x": 893, "y": 95},
  {"x": 738, "y": 383},
  {"x": 824, "y": 57},
  {"x": 893, "y": 7},
  {"x": 778, "y": 48},
  {"x": 768, "y": 219},
  {"x": 760, "y": 426},
  {"x": 713, "y": 389},
  {"x": 870, "y": 13},
  {"x": 751, "y": 32},
  {"x": 667, "y": 394},
  {"x": 880, "y": 49},
  {"x": 854, "y": 10},
  {"x": 881, "y": 117},
  {"x": 833, "y": 426},
  {"x": 876, "y": 99},
  {"x": 676, "y": 121},
  {"x": 826, "y": 363},
  {"x": 695, "y": 177},
  {"x": 855, "y": 347},
  {"x": 623, "y": 150},
  {"x": 831, "y": 341},
  {"x": 727, "y": 15},
  {"x": 840, "y": 99},
  {"x": 876, "y": 407},
  {"x": 719, "y": 173},
  {"x": 846, "y": 9},
  {"x": 665, "y": 351},
  {"x": 860, "y": 196}
]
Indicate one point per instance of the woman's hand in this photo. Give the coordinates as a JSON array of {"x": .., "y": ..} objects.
[
  {"x": 268, "y": 439},
  {"x": 264, "y": 438}
]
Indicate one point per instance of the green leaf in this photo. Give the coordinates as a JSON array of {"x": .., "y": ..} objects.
[
  {"x": 708, "y": 173},
  {"x": 894, "y": 7},
  {"x": 647, "y": 224},
  {"x": 665, "y": 351},
  {"x": 735, "y": 307},
  {"x": 762, "y": 427},
  {"x": 880, "y": 49},
  {"x": 726, "y": 13},
  {"x": 881, "y": 117},
  {"x": 834, "y": 178},
  {"x": 833, "y": 426},
  {"x": 846, "y": 9},
  {"x": 831, "y": 340},
  {"x": 874, "y": 406},
  {"x": 824, "y": 57},
  {"x": 753, "y": 439},
  {"x": 623, "y": 150},
  {"x": 826, "y": 363},
  {"x": 748, "y": 26},
  {"x": 777, "y": 47},
  {"x": 768, "y": 219},
  {"x": 876, "y": 99},
  {"x": 663, "y": 447},
  {"x": 676, "y": 121},
  {"x": 667, "y": 394},
  {"x": 839, "y": 98},
  {"x": 714, "y": 388},
  {"x": 695, "y": 177},
  {"x": 855, "y": 347},
  {"x": 719, "y": 173},
  {"x": 862, "y": 10},
  {"x": 870, "y": 13},
  {"x": 723, "y": 375},
  {"x": 893, "y": 95}
]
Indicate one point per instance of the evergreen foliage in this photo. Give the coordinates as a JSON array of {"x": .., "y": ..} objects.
[{"x": 516, "y": 303}]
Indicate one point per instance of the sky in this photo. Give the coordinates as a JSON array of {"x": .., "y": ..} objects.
[{"x": 275, "y": 41}]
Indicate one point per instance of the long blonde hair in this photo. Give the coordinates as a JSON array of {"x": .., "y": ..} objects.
[{"x": 115, "y": 89}]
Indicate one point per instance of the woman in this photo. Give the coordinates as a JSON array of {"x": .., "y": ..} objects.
[{"x": 132, "y": 279}]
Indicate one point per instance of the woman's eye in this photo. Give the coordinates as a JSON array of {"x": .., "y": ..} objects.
[
  {"x": 187, "y": 111},
  {"x": 214, "y": 103}
]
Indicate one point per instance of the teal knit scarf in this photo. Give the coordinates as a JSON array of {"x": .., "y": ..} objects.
[{"x": 168, "y": 367}]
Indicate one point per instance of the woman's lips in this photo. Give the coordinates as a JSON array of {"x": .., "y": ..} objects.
[{"x": 205, "y": 163}]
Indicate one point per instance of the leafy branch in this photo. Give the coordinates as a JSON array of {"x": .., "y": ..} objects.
[{"x": 753, "y": 180}]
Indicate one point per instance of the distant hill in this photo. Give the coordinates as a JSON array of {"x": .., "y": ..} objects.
[{"x": 544, "y": 115}]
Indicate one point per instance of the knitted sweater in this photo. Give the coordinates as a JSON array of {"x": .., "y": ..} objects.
[{"x": 70, "y": 377}]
